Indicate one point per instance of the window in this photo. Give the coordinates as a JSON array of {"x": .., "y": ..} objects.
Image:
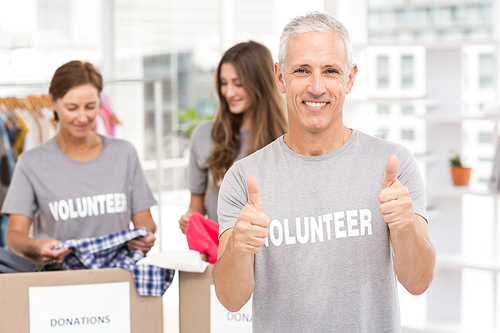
[
  {"x": 407, "y": 135},
  {"x": 486, "y": 71},
  {"x": 383, "y": 109},
  {"x": 484, "y": 12},
  {"x": 432, "y": 14},
  {"x": 407, "y": 71},
  {"x": 407, "y": 110},
  {"x": 382, "y": 133},
  {"x": 458, "y": 13},
  {"x": 485, "y": 159},
  {"x": 377, "y": 18},
  {"x": 483, "y": 180},
  {"x": 401, "y": 16},
  {"x": 453, "y": 13},
  {"x": 485, "y": 138},
  {"x": 382, "y": 71}
]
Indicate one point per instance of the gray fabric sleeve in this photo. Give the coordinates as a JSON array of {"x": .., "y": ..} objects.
[
  {"x": 141, "y": 198},
  {"x": 233, "y": 197},
  {"x": 410, "y": 176},
  {"x": 20, "y": 197},
  {"x": 200, "y": 147}
]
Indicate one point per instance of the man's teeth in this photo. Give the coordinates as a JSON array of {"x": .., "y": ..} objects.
[{"x": 315, "y": 105}]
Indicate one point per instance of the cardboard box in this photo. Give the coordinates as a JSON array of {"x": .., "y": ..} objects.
[
  {"x": 194, "y": 301},
  {"x": 146, "y": 312},
  {"x": 201, "y": 312}
]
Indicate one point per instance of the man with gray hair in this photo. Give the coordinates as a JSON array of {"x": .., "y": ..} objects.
[{"x": 320, "y": 223}]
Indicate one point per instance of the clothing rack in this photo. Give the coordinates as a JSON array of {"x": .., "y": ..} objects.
[{"x": 24, "y": 124}]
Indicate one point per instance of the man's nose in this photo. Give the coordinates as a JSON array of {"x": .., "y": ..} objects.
[{"x": 316, "y": 85}]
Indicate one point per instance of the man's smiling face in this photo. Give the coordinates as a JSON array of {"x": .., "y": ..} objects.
[{"x": 315, "y": 80}]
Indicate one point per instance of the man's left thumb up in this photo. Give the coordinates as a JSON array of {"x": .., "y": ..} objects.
[{"x": 391, "y": 171}]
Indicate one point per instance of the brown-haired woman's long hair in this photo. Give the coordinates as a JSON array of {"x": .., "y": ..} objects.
[
  {"x": 254, "y": 65},
  {"x": 74, "y": 74}
]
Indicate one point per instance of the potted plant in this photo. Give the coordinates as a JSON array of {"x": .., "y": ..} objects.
[
  {"x": 189, "y": 119},
  {"x": 459, "y": 174}
]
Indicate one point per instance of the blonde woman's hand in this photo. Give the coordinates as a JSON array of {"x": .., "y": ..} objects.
[
  {"x": 46, "y": 252},
  {"x": 143, "y": 243}
]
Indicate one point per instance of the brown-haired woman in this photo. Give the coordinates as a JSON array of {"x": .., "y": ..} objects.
[
  {"x": 250, "y": 116},
  {"x": 80, "y": 184}
]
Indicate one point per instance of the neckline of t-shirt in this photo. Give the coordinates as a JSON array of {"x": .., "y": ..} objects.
[
  {"x": 244, "y": 131},
  {"x": 333, "y": 154},
  {"x": 105, "y": 145}
]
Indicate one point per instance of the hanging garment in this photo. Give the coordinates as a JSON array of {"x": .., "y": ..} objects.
[
  {"x": 21, "y": 134},
  {"x": 4, "y": 221},
  {"x": 32, "y": 137},
  {"x": 5, "y": 176},
  {"x": 5, "y": 173},
  {"x": 12, "y": 131},
  {"x": 107, "y": 111},
  {"x": 110, "y": 251},
  {"x": 9, "y": 156},
  {"x": 48, "y": 129},
  {"x": 203, "y": 236},
  {"x": 106, "y": 120}
]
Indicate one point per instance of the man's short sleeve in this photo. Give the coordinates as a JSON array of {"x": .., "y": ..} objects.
[
  {"x": 233, "y": 196},
  {"x": 410, "y": 176}
]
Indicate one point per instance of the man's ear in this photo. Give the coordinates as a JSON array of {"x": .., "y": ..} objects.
[
  {"x": 350, "y": 79},
  {"x": 278, "y": 75}
]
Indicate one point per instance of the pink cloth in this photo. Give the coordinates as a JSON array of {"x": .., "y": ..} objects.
[
  {"x": 203, "y": 236},
  {"x": 106, "y": 120}
]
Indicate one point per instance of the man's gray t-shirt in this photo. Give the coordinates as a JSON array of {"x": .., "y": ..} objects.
[
  {"x": 79, "y": 199},
  {"x": 200, "y": 179},
  {"x": 327, "y": 265}
]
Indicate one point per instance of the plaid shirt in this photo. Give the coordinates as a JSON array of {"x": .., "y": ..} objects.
[{"x": 110, "y": 251}]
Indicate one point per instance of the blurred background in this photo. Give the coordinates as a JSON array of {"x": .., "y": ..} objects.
[{"x": 428, "y": 78}]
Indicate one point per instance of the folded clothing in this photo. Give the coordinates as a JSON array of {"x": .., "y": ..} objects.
[
  {"x": 110, "y": 251},
  {"x": 203, "y": 236}
]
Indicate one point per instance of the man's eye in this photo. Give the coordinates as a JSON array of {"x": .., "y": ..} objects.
[
  {"x": 300, "y": 71},
  {"x": 332, "y": 71}
]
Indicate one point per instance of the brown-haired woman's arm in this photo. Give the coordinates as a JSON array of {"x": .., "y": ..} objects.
[{"x": 196, "y": 205}]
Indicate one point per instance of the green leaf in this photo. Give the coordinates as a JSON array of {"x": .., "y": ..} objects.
[
  {"x": 189, "y": 119},
  {"x": 456, "y": 161}
]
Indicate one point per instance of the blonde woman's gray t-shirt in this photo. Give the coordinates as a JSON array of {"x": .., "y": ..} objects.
[
  {"x": 79, "y": 199},
  {"x": 327, "y": 265}
]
